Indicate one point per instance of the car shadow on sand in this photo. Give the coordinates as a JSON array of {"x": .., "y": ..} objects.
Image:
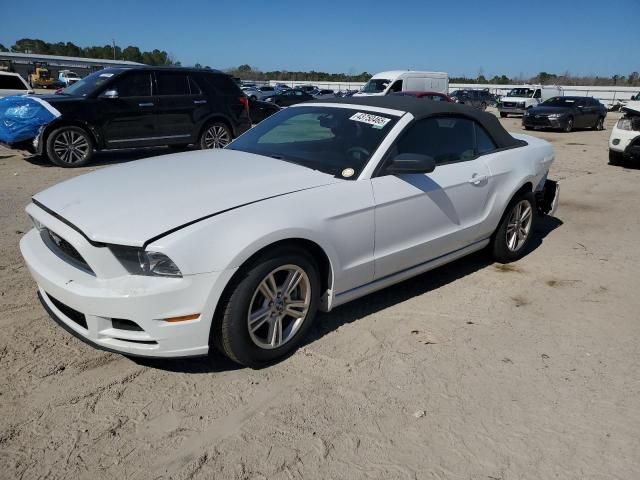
[
  {"x": 110, "y": 157},
  {"x": 363, "y": 307}
]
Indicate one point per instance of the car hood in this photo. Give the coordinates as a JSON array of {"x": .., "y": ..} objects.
[
  {"x": 516, "y": 99},
  {"x": 632, "y": 107},
  {"x": 132, "y": 203},
  {"x": 549, "y": 110}
]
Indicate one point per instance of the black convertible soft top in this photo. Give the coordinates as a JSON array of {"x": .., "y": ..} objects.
[{"x": 421, "y": 108}]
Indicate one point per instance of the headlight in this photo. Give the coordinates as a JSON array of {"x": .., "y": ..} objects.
[
  {"x": 555, "y": 116},
  {"x": 270, "y": 99},
  {"x": 137, "y": 261},
  {"x": 624, "y": 124}
]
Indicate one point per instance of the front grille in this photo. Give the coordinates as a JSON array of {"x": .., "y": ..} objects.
[
  {"x": 509, "y": 104},
  {"x": 538, "y": 121},
  {"x": 69, "y": 312},
  {"x": 64, "y": 250}
]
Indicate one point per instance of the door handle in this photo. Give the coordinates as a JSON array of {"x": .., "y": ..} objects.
[
  {"x": 199, "y": 102},
  {"x": 477, "y": 179},
  {"x": 149, "y": 104}
]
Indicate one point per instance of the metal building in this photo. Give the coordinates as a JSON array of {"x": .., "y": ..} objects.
[{"x": 24, "y": 63}]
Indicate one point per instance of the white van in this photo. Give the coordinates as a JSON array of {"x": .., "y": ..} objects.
[
  {"x": 384, "y": 83},
  {"x": 522, "y": 98}
]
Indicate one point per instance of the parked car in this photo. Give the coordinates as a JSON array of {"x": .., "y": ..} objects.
[
  {"x": 258, "y": 236},
  {"x": 384, "y": 83},
  {"x": 13, "y": 84},
  {"x": 255, "y": 93},
  {"x": 475, "y": 98},
  {"x": 566, "y": 113},
  {"x": 289, "y": 97},
  {"x": 522, "y": 98},
  {"x": 324, "y": 93},
  {"x": 308, "y": 89},
  {"x": 435, "y": 96},
  {"x": 142, "y": 107},
  {"x": 259, "y": 110},
  {"x": 624, "y": 142},
  {"x": 67, "y": 77}
]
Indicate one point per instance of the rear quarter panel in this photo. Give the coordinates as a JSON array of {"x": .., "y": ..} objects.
[{"x": 511, "y": 169}]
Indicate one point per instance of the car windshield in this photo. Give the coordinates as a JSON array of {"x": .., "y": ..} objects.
[
  {"x": 521, "y": 92},
  {"x": 338, "y": 141},
  {"x": 559, "y": 102},
  {"x": 377, "y": 85},
  {"x": 88, "y": 84}
]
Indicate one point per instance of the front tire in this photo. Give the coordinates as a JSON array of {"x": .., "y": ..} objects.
[
  {"x": 568, "y": 127},
  {"x": 69, "y": 147},
  {"x": 483, "y": 106},
  {"x": 599, "y": 124},
  {"x": 616, "y": 158},
  {"x": 215, "y": 135},
  {"x": 269, "y": 309},
  {"x": 511, "y": 238}
]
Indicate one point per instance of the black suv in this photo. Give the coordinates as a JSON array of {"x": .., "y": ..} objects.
[
  {"x": 143, "y": 107},
  {"x": 476, "y": 98}
]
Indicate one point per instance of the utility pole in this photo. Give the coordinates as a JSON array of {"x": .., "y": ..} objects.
[{"x": 113, "y": 41}]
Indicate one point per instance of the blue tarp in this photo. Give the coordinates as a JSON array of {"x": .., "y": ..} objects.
[{"x": 22, "y": 116}]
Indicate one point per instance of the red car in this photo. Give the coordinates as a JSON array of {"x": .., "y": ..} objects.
[{"x": 435, "y": 96}]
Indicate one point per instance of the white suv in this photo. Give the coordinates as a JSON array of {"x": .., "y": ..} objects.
[
  {"x": 625, "y": 135},
  {"x": 13, "y": 84}
]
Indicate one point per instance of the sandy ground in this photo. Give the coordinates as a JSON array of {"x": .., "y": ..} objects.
[{"x": 473, "y": 371}]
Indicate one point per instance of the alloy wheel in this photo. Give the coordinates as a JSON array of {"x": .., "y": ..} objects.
[
  {"x": 519, "y": 225},
  {"x": 279, "y": 307},
  {"x": 71, "y": 147},
  {"x": 216, "y": 136}
]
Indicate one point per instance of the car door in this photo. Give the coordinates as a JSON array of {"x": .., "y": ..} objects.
[
  {"x": 127, "y": 109},
  {"x": 420, "y": 217},
  {"x": 180, "y": 106},
  {"x": 582, "y": 113}
]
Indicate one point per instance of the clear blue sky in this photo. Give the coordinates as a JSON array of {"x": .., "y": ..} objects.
[{"x": 500, "y": 36}]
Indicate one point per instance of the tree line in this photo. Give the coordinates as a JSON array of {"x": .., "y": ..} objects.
[
  {"x": 110, "y": 52},
  {"x": 247, "y": 72}
]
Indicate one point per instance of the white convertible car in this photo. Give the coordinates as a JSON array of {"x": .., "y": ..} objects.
[{"x": 319, "y": 204}]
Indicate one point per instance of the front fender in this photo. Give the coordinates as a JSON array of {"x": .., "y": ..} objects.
[{"x": 339, "y": 218}]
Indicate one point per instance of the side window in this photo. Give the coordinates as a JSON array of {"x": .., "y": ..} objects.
[
  {"x": 484, "y": 143},
  {"x": 445, "y": 139},
  {"x": 11, "y": 82},
  {"x": 537, "y": 94},
  {"x": 172, "y": 83},
  {"x": 396, "y": 87},
  {"x": 194, "y": 88},
  {"x": 222, "y": 84},
  {"x": 135, "y": 84}
]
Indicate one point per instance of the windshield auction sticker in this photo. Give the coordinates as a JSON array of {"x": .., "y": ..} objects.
[{"x": 375, "y": 120}]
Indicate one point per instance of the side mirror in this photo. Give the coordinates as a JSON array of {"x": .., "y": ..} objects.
[
  {"x": 406, "y": 163},
  {"x": 109, "y": 94}
]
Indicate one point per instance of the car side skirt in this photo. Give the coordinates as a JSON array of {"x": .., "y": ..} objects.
[{"x": 380, "y": 283}]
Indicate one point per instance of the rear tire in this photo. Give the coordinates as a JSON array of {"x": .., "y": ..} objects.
[
  {"x": 511, "y": 238},
  {"x": 255, "y": 305},
  {"x": 483, "y": 106},
  {"x": 215, "y": 135},
  {"x": 69, "y": 147}
]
